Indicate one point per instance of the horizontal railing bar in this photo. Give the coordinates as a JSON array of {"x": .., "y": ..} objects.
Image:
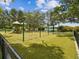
[
  {"x": 10, "y": 47},
  {"x": 76, "y": 37}
]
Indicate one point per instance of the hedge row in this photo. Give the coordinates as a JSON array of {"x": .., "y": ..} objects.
[{"x": 67, "y": 28}]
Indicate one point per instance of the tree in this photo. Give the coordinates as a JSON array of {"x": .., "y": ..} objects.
[
  {"x": 8, "y": 20},
  {"x": 5, "y": 19},
  {"x": 55, "y": 16},
  {"x": 20, "y": 16},
  {"x": 13, "y": 14},
  {"x": 33, "y": 20},
  {"x": 1, "y": 18},
  {"x": 1, "y": 10},
  {"x": 6, "y": 0},
  {"x": 73, "y": 9},
  {"x": 70, "y": 1},
  {"x": 17, "y": 16}
]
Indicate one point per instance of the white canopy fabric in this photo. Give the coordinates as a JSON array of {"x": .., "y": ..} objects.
[
  {"x": 69, "y": 24},
  {"x": 16, "y": 22}
]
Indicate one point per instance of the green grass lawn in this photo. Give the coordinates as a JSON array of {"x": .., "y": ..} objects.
[{"x": 52, "y": 46}]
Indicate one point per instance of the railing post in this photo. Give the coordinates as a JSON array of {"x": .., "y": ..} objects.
[
  {"x": 2, "y": 48},
  {"x": 76, "y": 37},
  {"x": 5, "y": 54},
  {"x": 7, "y": 51}
]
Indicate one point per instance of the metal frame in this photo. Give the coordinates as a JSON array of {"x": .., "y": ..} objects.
[{"x": 7, "y": 51}]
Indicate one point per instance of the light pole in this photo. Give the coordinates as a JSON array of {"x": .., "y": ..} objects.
[
  {"x": 48, "y": 17},
  {"x": 40, "y": 29},
  {"x": 5, "y": 24},
  {"x": 23, "y": 29}
]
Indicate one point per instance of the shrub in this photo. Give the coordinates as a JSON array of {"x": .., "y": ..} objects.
[
  {"x": 76, "y": 28},
  {"x": 41, "y": 29},
  {"x": 60, "y": 28},
  {"x": 65, "y": 28}
]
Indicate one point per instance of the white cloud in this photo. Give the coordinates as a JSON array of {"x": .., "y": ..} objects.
[
  {"x": 52, "y": 4},
  {"x": 40, "y": 3},
  {"x": 5, "y": 3},
  {"x": 1, "y": 0},
  {"x": 44, "y": 10},
  {"x": 45, "y": 5},
  {"x": 8, "y": 8},
  {"x": 21, "y": 8}
]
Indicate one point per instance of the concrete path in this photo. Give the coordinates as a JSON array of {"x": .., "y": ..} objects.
[{"x": 77, "y": 49}]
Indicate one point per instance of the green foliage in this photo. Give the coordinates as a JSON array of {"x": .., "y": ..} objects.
[
  {"x": 67, "y": 28},
  {"x": 13, "y": 12},
  {"x": 73, "y": 11},
  {"x": 73, "y": 8},
  {"x": 20, "y": 16},
  {"x": 34, "y": 20},
  {"x": 71, "y": 1},
  {"x": 76, "y": 28},
  {"x": 6, "y": 0},
  {"x": 57, "y": 14},
  {"x": 1, "y": 10}
]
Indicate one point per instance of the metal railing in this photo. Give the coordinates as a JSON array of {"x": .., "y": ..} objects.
[
  {"x": 7, "y": 51},
  {"x": 76, "y": 37}
]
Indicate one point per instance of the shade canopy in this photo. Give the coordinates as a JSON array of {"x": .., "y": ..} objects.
[{"x": 16, "y": 23}]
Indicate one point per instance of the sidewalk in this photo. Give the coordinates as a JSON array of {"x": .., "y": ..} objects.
[{"x": 77, "y": 49}]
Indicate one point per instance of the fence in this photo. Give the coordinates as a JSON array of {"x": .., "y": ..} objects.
[
  {"x": 7, "y": 51},
  {"x": 76, "y": 37}
]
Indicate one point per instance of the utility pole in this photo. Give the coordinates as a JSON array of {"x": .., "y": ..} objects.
[
  {"x": 5, "y": 24},
  {"x": 23, "y": 31},
  {"x": 48, "y": 17}
]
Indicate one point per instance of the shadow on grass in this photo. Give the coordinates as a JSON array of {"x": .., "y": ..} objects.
[
  {"x": 72, "y": 38},
  {"x": 69, "y": 35},
  {"x": 7, "y": 36},
  {"x": 39, "y": 51},
  {"x": 64, "y": 35}
]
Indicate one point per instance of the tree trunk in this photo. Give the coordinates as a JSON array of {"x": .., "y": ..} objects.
[
  {"x": 53, "y": 29},
  {"x": 48, "y": 30}
]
